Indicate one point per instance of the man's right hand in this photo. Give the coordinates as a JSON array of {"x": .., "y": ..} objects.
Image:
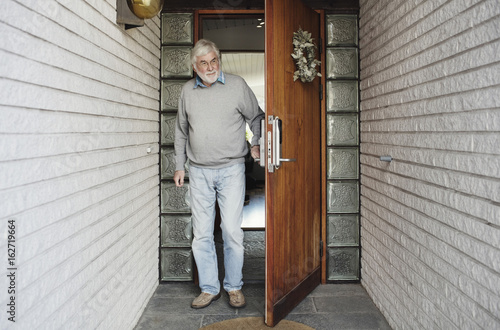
[{"x": 179, "y": 178}]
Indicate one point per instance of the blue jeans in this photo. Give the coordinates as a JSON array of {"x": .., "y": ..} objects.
[{"x": 227, "y": 185}]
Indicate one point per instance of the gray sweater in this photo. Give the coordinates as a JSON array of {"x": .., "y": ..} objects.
[{"x": 210, "y": 128}]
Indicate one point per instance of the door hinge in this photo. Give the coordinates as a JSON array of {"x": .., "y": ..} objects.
[
  {"x": 321, "y": 92},
  {"x": 321, "y": 248}
]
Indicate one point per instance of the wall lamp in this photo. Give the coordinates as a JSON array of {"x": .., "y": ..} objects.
[{"x": 132, "y": 13}]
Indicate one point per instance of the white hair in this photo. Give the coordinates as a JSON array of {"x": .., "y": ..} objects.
[{"x": 202, "y": 48}]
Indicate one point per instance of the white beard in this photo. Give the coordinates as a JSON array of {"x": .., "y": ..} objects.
[{"x": 209, "y": 78}]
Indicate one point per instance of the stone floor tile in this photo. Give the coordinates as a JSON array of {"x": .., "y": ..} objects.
[
  {"x": 306, "y": 306},
  {"x": 161, "y": 321},
  {"x": 351, "y": 321},
  {"x": 346, "y": 304},
  {"x": 328, "y": 290},
  {"x": 182, "y": 289},
  {"x": 254, "y": 289},
  {"x": 182, "y": 306},
  {"x": 255, "y": 307},
  {"x": 210, "y": 319}
]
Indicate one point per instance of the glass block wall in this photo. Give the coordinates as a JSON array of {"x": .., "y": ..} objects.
[
  {"x": 176, "y": 259},
  {"x": 342, "y": 135}
]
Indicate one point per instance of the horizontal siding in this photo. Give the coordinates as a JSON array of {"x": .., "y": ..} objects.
[
  {"x": 79, "y": 101},
  {"x": 102, "y": 262},
  {"x": 430, "y": 225},
  {"x": 439, "y": 268},
  {"x": 40, "y": 193},
  {"x": 420, "y": 26}
]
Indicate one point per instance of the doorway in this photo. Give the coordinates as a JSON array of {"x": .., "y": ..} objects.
[
  {"x": 285, "y": 231},
  {"x": 241, "y": 41},
  {"x": 290, "y": 251}
]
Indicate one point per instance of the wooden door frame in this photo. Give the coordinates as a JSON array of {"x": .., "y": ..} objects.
[
  {"x": 215, "y": 12},
  {"x": 323, "y": 145}
]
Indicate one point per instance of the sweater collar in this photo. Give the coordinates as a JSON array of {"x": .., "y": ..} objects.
[{"x": 198, "y": 82}]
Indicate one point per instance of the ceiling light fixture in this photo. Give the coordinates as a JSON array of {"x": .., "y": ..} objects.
[{"x": 145, "y": 8}]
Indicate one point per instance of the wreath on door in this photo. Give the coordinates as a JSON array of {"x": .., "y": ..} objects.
[{"x": 304, "y": 53}]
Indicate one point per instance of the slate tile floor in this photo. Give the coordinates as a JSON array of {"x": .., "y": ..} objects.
[{"x": 330, "y": 306}]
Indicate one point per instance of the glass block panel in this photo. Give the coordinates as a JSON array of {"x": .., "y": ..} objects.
[
  {"x": 342, "y": 63},
  {"x": 343, "y": 264},
  {"x": 343, "y": 163},
  {"x": 170, "y": 93},
  {"x": 176, "y": 231},
  {"x": 342, "y": 130},
  {"x": 176, "y": 62},
  {"x": 342, "y": 95},
  {"x": 167, "y": 129},
  {"x": 343, "y": 197},
  {"x": 167, "y": 164},
  {"x": 342, "y": 30},
  {"x": 174, "y": 199},
  {"x": 177, "y": 28},
  {"x": 343, "y": 230},
  {"x": 176, "y": 264}
]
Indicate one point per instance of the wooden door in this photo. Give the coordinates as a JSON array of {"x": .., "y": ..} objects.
[{"x": 293, "y": 192}]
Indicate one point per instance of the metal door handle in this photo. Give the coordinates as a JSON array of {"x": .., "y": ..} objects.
[
  {"x": 278, "y": 140},
  {"x": 262, "y": 158},
  {"x": 274, "y": 161}
]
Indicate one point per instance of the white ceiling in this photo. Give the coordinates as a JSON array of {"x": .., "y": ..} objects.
[{"x": 250, "y": 66}]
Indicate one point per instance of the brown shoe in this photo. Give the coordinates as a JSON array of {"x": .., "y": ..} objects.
[
  {"x": 236, "y": 299},
  {"x": 204, "y": 299}
]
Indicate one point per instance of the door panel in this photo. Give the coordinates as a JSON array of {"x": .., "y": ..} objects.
[{"x": 293, "y": 192}]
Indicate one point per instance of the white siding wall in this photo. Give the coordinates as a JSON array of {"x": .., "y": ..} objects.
[
  {"x": 430, "y": 98},
  {"x": 79, "y": 100}
]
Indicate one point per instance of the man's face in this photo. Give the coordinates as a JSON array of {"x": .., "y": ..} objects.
[{"x": 207, "y": 68}]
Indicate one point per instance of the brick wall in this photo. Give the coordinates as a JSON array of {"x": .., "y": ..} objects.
[
  {"x": 79, "y": 101},
  {"x": 430, "y": 98}
]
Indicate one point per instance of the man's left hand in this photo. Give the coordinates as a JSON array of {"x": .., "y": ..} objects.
[{"x": 255, "y": 152}]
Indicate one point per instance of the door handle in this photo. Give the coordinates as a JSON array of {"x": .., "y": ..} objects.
[
  {"x": 278, "y": 139},
  {"x": 274, "y": 140},
  {"x": 262, "y": 157}
]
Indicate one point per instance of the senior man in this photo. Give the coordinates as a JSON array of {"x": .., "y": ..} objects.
[{"x": 214, "y": 109}]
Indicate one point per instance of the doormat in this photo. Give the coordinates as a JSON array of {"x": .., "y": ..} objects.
[{"x": 255, "y": 323}]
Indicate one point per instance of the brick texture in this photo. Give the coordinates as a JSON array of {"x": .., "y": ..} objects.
[
  {"x": 79, "y": 102},
  {"x": 430, "y": 219}
]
